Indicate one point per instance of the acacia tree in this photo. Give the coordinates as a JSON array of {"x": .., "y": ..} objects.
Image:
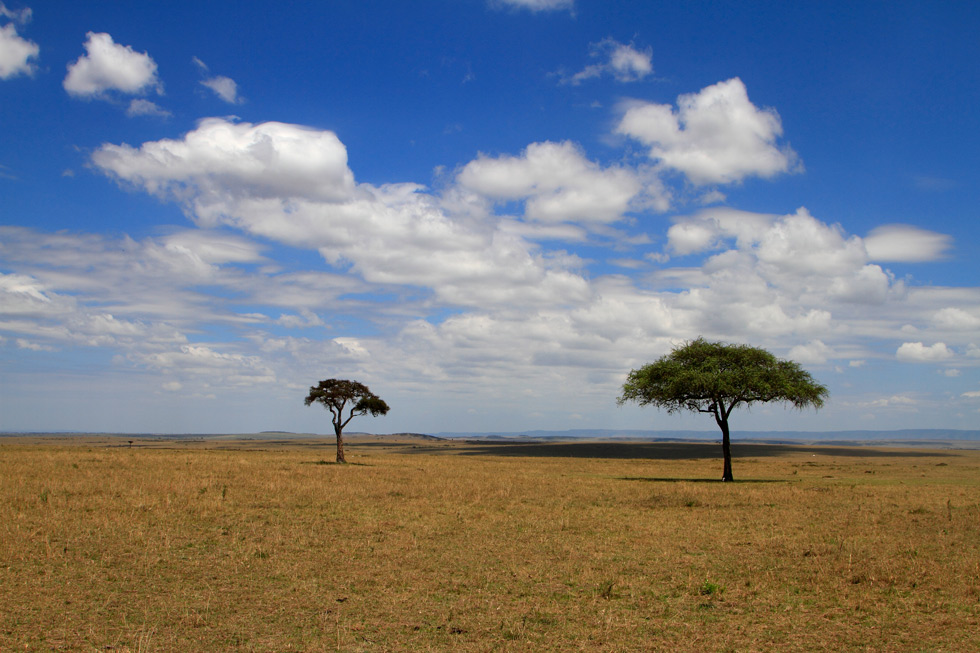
[
  {"x": 714, "y": 378},
  {"x": 338, "y": 395}
]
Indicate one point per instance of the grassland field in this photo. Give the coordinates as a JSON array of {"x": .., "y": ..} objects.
[{"x": 423, "y": 545}]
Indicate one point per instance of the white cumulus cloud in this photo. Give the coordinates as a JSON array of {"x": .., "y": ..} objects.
[
  {"x": 214, "y": 248},
  {"x": 710, "y": 228},
  {"x": 142, "y": 107},
  {"x": 23, "y": 343},
  {"x": 894, "y": 401},
  {"x": 814, "y": 352},
  {"x": 203, "y": 361},
  {"x": 222, "y": 158},
  {"x": 109, "y": 66},
  {"x": 292, "y": 184},
  {"x": 957, "y": 318},
  {"x": 22, "y": 16},
  {"x": 622, "y": 61},
  {"x": 304, "y": 320},
  {"x": 558, "y": 183},
  {"x": 224, "y": 87},
  {"x": 17, "y": 54},
  {"x": 536, "y": 5},
  {"x": 906, "y": 243},
  {"x": 715, "y": 136},
  {"x": 918, "y": 352},
  {"x": 804, "y": 245}
]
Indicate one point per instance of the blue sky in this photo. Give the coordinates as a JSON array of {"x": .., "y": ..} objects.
[{"x": 489, "y": 211}]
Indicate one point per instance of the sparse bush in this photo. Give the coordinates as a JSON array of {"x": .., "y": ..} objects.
[{"x": 708, "y": 588}]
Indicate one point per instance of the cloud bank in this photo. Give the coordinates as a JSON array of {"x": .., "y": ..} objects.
[
  {"x": 469, "y": 288},
  {"x": 521, "y": 310}
]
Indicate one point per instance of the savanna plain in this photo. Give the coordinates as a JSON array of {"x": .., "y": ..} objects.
[{"x": 427, "y": 545}]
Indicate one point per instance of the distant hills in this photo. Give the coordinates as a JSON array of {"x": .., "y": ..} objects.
[
  {"x": 902, "y": 435},
  {"x": 899, "y": 437}
]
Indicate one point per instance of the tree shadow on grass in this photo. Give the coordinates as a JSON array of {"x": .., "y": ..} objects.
[
  {"x": 668, "y": 450},
  {"x": 334, "y": 463},
  {"x": 738, "y": 481}
]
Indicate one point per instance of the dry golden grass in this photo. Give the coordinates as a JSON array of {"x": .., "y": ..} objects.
[{"x": 261, "y": 547}]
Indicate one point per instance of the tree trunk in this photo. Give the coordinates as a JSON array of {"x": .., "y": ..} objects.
[
  {"x": 340, "y": 443},
  {"x": 726, "y": 448}
]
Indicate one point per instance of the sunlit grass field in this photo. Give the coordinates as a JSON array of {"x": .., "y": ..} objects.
[{"x": 421, "y": 545}]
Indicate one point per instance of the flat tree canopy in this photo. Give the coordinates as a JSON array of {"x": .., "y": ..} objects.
[
  {"x": 715, "y": 377},
  {"x": 338, "y": 395}
]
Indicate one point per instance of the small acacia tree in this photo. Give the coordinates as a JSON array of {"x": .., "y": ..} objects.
[
  {"x": 714, "y": 378},
  {"x": 338, "y": 395}
]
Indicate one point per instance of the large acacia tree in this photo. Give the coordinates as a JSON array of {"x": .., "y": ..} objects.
[
  {"x": 714, "y": 378},
  {"x": 338, "y": 395}
]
